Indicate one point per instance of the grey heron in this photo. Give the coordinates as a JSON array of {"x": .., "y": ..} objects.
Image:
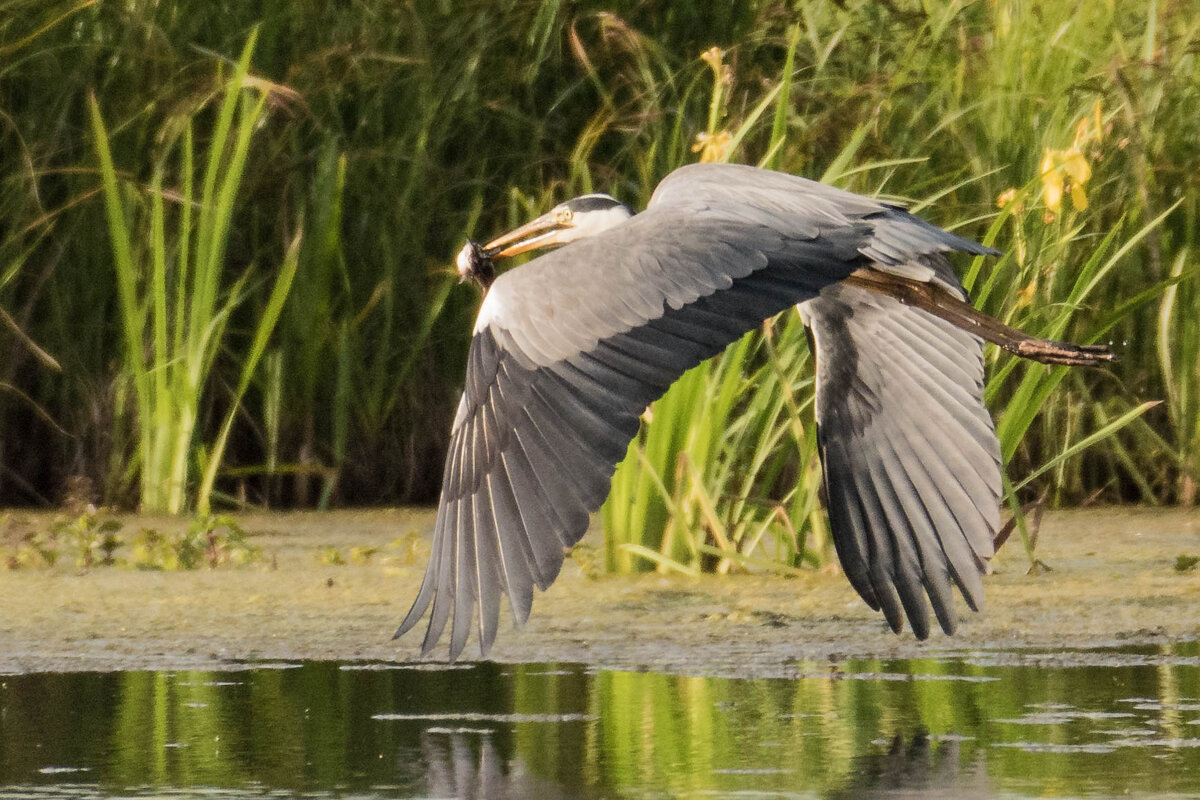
[{"x": 569, "y": 349}]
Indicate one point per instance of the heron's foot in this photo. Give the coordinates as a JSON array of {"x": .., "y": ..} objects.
[{"x": 1049, "y": 351}]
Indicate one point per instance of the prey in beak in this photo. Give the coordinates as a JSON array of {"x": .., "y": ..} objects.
[{"x": 475, "y": 261}]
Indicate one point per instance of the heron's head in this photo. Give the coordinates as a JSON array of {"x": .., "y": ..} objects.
[{"x": 575, "y": 219}]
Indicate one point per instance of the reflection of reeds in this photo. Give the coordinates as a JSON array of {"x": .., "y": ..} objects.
[
  {"x": 405, "y": 127},
  {"x": 847, "y": 729}
]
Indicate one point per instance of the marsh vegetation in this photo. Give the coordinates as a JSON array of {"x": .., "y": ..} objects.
[{"x": 226, "y": 235}]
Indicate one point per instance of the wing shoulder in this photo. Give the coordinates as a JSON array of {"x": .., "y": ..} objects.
[{"x": 893, "y": 239}]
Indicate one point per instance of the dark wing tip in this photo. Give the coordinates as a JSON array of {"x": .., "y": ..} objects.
[{"x": 910, "y": 457}]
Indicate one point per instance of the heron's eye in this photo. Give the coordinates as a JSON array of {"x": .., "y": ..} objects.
[{"x": 563, "y": 215}]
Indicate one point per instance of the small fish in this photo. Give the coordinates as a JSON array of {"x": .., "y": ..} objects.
[{"x": 475, "y": 263}]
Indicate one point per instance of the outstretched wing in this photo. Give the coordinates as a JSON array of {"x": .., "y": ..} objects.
[
  {"x": 571, "y": 347},
  {"x": 911, "y": 460}
]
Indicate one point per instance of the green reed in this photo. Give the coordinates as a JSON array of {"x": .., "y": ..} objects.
[{"x": 174, "y": 308}]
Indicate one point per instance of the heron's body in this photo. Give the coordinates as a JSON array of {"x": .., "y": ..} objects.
[{"x": 571, "y": 347}]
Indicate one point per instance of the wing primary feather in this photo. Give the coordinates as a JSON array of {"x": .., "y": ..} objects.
[
  {"x": 774, "y": 289},
  {"x": 609, "y": 431},
  {"x": 966, "y": 473},
  {"x": 444, "y": 597},
  {"x": 926, "y": 338},
  {"x": 907, "y": 570},
  {"x": 488, "y": 430},
  {"x": 557, "y": 484},
  {"x": 544, "y": 547},
  {"x": 608, "y": 388},
  {"x": 700, "y": 314},
  {"x": 930, "y": 517},
  {"x": 466, "y": 564},
  {"x": 517, "y": 555},
  {"x": 632, "y": 360},
  {"x": 658, "y": 362},
  {"x": 488, "y": 565},
  {"x": 466, "y": 559},
  {"x": 968, "y": 468},
  {"x": 937, "y": 416},
  {"x": 849, "y": 527},
  {"x": 429, "y": 583},
  {"x": 483, "y": 359},
  {"x": 964, "y": 565},
  {"x": 743, "y": 305},
  {"x": 585, "y": 482},
  {"x": 532, "y": 495},
  {"x": 880, "y": 558},
  {"x": 955, "y": 392},
  {"x": 440, "y": 571},
  {"x": 442, "y": 537},
  {"x": 684, "y": 326},
  {"x": 605, "y": 441}
]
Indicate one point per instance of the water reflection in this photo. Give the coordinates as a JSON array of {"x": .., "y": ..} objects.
[
  {"x": 949, "y": 767},
  {"x": 467, "y": 763},
  {"x": 1090, "y": 723}
]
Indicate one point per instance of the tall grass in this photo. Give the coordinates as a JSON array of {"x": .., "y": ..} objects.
[
  {"x": 172, "y": 301},
  {"x": 395, "y": 130},
  {"x": 726, "y": 472}
]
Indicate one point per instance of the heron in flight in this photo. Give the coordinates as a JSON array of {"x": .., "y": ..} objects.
[{"x": 569, "y": 349}]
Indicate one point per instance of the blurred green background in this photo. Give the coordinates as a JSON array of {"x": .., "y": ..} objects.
[{"x": 227, "y": 232}]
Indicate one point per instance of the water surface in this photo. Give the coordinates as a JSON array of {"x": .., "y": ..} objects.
[{"x": 1078, "y": 723}]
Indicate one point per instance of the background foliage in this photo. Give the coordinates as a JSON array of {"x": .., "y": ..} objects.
[{"x": 388, "y": 132}]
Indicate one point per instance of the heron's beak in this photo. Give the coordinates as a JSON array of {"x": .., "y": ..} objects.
[{"x": 542, "y": 232}]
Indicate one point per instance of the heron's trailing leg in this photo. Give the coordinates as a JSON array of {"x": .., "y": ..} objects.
[{"x": 940, "y": 303}]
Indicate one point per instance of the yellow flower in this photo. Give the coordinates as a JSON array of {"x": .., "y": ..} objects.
[
  {"x": 1065, "y": 171},
  {"x": 1025, "y": 295},
  {"x": 1078, "y": 170},
  {"x": 1090, "y": 128},
  {"x": 1010, "y": 196},
  {"x": 1068, "y": 171},
  {"x": 712, "y": 148},
  {"x": 714, "y": 57}
]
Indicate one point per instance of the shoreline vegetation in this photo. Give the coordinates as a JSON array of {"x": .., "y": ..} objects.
[
  {"x": 1115, "y": 580},
  {"x": 226, "y": 236}
]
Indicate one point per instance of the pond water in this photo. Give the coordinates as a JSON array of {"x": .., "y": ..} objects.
[{"x": 1096, "y": 723}]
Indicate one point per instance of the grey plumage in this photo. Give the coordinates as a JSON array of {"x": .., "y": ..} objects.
[
  {"x": 910, "y": 457},
  {"x": 570, "y": 348}
]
